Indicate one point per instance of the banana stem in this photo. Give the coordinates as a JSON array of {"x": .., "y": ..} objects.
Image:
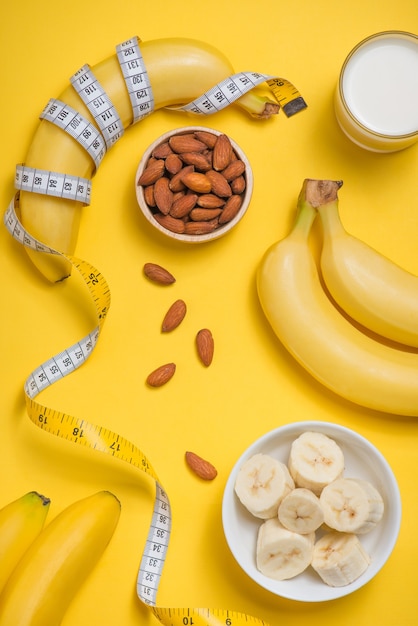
[
  {"x": 317, "y": 193},
  {"x": 314, "y": 195}
]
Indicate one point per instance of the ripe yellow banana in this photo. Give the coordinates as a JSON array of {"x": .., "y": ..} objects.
[
  {"x": 179, "y": 70},
  {"x": 320, "y": 338},
  {"x": 21, "y": 521},
  {"x": 51, "y": 571},
  {"x": 373, "y": 290}
]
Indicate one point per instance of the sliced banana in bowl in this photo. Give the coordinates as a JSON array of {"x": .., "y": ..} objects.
[{"x": 345, "y": 499}]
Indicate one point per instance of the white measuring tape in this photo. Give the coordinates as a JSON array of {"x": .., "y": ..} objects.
[
  {"x": 230, "y": 89},
  {"x": 136, "y": 78},
  {"x": 83, "y": 131},
  {"x": 96, "y": 141},
  {"x": 53, "y": 184}
]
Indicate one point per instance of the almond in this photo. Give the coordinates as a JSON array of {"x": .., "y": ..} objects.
[
  {"x": 200, "y": 228},
  {"x": 149, "y": 195},
  {"x": 234, "y": 169},
  {"x": 196, "y": 181},
  {"x": 222, "y": 153},
  {"x": 161, "y": 375},
  {"x": 186, "y": 143},
  {"x": 209, "y": 201},
  {"x": 205, "y": 346},
  {"x": 153, "y": 171},
  {"x": 162, "y": 151},
  {"x": 231, "y": 208},
  {"x": 176, "y": 183},
  {"x": 158, "y": 274},
  {"x": 170, "y": 223},
  {"x": 174, "y": 316},
  {"x": 201, "y": 467},
  {"x": 163, "y": 196},
  {"x": 220, "y": 185},
  {"x": 203, "y": 215},
  {"x": 238, "y": 185},
  {"x": 183, "y": 205},
  {"x": 208, "y": 138},
  {"x": 173, "y": 163},
  {"x": 197, "y": 159}
]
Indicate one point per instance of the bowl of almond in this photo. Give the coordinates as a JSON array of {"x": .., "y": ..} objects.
[{"x": 194, "y": 184}]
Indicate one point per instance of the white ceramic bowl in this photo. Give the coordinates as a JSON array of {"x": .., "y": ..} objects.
[
  {"x": 201, "y": 238},
  {"x": 362, "y": 460}
]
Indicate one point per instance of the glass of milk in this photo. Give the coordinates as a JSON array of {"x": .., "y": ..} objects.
[{"x": 376, "y": 101}]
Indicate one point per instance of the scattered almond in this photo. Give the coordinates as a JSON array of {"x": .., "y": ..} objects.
[
  {"x": 158, "y": 274},
  {"x": 161, "y": 375},
  {"x": 205, "y": 346},
  {"x": 174, "y": 316},
  {"x": 201, "y": 467}
]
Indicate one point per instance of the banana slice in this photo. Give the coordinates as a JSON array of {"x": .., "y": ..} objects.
[
  {"x": 301, "y": 511},
  {"x": 315, "y": 460},
  {"x": 351, "y": 505},
  {"x": 339, "y": 558},
  {"x": 281, "y": 553},
  {"x": 261, "y": 484}
]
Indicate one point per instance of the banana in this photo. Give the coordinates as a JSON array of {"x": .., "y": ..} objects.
[
  {"x": 334, "y": 351},
  {"x": 21, "y": 521},
  {"x": 339, "y": 558},
  {"x": 261, "y": 484},
  {"x": 179, "y": 70},
  {"x": 368, "y": 286},
  {"x": 56, "y": 564},
  {"x": 351, "y": 505},
  {"x": 280, "y": 553},
  {"x": 315, "y": 460},
  {"x": 300, "y": 511}
]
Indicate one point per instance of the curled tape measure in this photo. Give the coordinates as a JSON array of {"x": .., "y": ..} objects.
[{"x": 96, "y": 141}]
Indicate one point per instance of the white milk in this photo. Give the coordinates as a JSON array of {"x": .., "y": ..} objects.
[{"x": 376, "y": 102}]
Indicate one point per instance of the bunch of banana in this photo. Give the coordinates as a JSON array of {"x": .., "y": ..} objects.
[
  {"x": 333, "y": 350},
  {"x": 179, "y": 70},
  {"x": 369, "y": 287},
  {"x": 54, "y": 566},
  {"x": 21, "y": 521}
]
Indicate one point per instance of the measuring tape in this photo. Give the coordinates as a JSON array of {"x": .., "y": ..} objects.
[
  {"x": 230, "y": 89},
  {"x": 96, "y": 437},
  {"x": 96, "y": 141}
]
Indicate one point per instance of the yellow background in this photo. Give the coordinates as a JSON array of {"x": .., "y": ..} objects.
[{"x": 252, "y": 386}]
